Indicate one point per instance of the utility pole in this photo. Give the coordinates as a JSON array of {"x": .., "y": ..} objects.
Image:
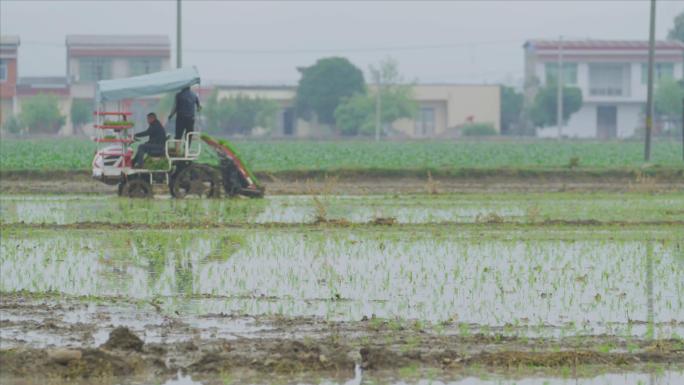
[
  {"x": 376, "y": 73},
  {"x": 179, "y": 55},
  {"x": 649, "y": 95},
  {"x": 559, "y": 99}
]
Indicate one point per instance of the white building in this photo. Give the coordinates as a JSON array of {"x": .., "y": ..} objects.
[
  {"x": 442, "y": 108},
  {"x": 612, "y": 75}
]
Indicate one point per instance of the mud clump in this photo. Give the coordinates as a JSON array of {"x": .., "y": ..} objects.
[
  {"x": 88, "y": 363},
  {"x": 384, "y": 221},
  {"x": 122, "y": 338},
  {"x": 64, "y": 356},
  {"x": 549, "y": 359},
  {"x": 292, "y": 356},
  {"x": 320, "y": 220},
  {"x": 96, "y": 363},
  {"x": 381, "y": 358},
  {"x": 211, "y": 362}
]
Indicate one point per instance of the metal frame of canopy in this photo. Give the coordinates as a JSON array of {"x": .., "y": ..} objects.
[{"x": 114, "y": 159}]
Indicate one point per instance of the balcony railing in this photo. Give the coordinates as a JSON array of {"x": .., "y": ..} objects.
[{"x": 607, "y": 91}]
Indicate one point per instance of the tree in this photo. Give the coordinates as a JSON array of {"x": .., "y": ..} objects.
[
  {"x": 356, "y": 114},
  {"x": 677, "y": 31},
  {"x": 12, "y": 125},
  {"x": 511, "y": 107},
  {"x": 544, "y": 109},
  {"x": 81, "y": 112},
  {"x": 239, "y": 114},
  {"x": 324, "y": 85},
  {"x": 40, "y": 114},
  {"x": 668, "y": 99}
]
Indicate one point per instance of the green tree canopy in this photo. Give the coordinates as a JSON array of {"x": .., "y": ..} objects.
[
  {"x": 668, "y": 98},
  {"x": 544, "y": 109},
  {"x": 81, "y": 112},
  {"x": 12, "y": 125},
  {"x": 41, "y": 114},
  {"x": 239, "y": 114},
  {"x": 677, "y": 31},
  {"x": 324, "y": 85},
  {"x": 511, "y": 107},
  {"x": 356, "y": 114}
]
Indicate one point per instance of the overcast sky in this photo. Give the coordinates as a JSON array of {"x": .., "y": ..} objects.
[{"x": 263, "y": 42}]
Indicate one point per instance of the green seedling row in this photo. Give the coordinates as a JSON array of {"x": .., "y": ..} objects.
[{"x": 75, "y": 154}]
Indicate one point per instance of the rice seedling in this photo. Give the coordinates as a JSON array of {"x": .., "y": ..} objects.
[{"x": 525, "y": 284}]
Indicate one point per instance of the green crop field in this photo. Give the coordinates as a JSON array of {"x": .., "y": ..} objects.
[{"x": 277, "y": 156}]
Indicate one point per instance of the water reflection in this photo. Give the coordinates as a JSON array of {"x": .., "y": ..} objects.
[{"x": 650, "y": 334}]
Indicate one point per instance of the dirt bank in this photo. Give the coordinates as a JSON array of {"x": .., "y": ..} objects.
[
  {"x": 363, "y": 183},
  {"x": 67, "y": 350}
]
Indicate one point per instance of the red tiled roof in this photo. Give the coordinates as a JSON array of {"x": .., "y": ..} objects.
[{"x": 604, "y": 44}]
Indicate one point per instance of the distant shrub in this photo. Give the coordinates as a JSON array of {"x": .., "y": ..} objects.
[
  {"x": 41, "y": 114},
  {"x": 478, "y": 129},
  {"x": 12, "y": 125}
]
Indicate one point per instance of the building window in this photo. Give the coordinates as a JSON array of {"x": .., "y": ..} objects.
[
  {"x": 92, "y": 69},
  {"x": 3, "y": 71},
  {"x": 425, "y": 122},
  {"x": 660, "y": 71},
  {"x": 609, "y": 79},
  {"x": 569, "y": 73},
  {"x": 143, "y": 66}
]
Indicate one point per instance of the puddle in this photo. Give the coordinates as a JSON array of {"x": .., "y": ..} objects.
[
  {"x": 664, "y": 378},
  {"x": 546, "y": 287},
  {"x": 463, "y": 208},
  {"x": 667, "y": 377}
]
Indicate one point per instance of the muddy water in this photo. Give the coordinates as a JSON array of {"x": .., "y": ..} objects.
[
  {"x": 525, "y": 284},
  {"x": 357, "y": 209},
  {"x": 668, "y": 377}
]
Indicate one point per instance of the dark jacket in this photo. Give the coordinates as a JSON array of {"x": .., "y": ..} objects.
[
  {"x": 185, "y": 103},
  {"x": 156, "y": 133}
]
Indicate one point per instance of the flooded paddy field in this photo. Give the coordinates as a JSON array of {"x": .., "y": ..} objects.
[
  {"x": 447, "y": 289},
  {"x": 297, "y": 209}
]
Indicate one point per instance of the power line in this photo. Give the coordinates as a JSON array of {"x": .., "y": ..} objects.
[{"x": 285, "y": 51}]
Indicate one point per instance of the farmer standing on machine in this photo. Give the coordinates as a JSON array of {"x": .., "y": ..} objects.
[{"x": 184, "y": 109}]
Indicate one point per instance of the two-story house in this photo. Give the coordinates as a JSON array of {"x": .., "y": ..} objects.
[
  {"x": 612, "y": 75},
  {"x": 9, "y": 46},
  {"x": 99, "y": 57}
]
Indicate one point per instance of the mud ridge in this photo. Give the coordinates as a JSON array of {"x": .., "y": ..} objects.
[
  {"x": 125, "y": 354},
  {"x": 382, "y": 222}
]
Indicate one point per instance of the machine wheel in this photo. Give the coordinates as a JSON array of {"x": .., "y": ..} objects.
[
  {"x": 196, "y": 180},
  {"x": 230, "y": 177},
  {"x": 136, "y": 188}
]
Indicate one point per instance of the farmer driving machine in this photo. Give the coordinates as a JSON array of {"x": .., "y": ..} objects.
[{"x": 178, "y": 168}]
